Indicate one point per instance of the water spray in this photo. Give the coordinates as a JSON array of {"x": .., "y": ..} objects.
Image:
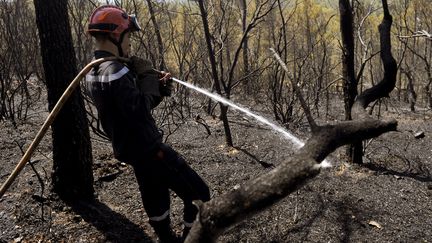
[
  {"x": 297, "y": 142},
  {"x": 289, "y": 136}
]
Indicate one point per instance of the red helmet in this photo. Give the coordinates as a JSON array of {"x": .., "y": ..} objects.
[{"x": 112, "y": 19}]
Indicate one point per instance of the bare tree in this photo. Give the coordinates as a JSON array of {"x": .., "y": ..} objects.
[
  {"x": 223, "y": 69},
  {"x": 215, "y": 74},
  {"x": 281, "y": 96},
  {"x": 354, "y": 151},
  {"x": 414, "y": 19},
  {"x": 160, "y": 44},
  {"x": 307, "y": 50},
  {"x": 72, "y": 173},
  {"x": 19, "y": 61},
  {"x": 187, "y": 51}
]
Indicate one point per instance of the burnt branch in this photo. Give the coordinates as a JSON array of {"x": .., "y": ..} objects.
[
  {"x": 298, "y": 92},
  {"x": 418, "y": 34},
  {"x": 330, "y": 137},
  {"x": 223, "y": 212}
]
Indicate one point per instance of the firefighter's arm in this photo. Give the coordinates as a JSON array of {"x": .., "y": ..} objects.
[
  {"x": 151, "y": 81},
  {"x": 147, "y": 80},
  {"x": 131, "y": 100}
]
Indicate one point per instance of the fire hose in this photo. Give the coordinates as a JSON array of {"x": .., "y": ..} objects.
[{"x": 50, "y": 119}]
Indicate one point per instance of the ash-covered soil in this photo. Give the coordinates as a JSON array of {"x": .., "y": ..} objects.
[{"x": 388, "y": 199}]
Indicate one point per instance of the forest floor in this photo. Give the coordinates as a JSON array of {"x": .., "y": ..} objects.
[{"x": 388, "y": 199}]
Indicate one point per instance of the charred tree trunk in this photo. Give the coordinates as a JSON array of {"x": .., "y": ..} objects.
[
  {"x": 223, "y": 108},
  {"x": 428, "y": 88},
  {"x": 348, "y": 72},
  {"x": 72, "y": 176},
  {"x": 412, "y": 96},
  {"x": 387, "y": 84},
  {"x": 354, "y": 151}
]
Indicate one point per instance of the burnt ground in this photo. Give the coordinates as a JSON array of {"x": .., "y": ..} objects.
[{"x": 388, "y": 199}]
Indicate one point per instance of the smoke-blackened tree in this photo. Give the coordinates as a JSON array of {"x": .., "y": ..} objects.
[{"x": 72, "y": 170}]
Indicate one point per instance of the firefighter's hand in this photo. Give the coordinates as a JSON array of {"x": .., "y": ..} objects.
[
  {"x": 140, "y": 66},
  {"x": 164, "y": 76},
  {"x": 166, "y": 84}
]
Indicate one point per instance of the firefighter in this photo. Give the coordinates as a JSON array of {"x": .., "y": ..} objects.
[{"x": 124, "y": 95}]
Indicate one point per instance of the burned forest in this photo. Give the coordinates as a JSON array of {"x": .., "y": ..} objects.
[{"x": 215, "y": 121}]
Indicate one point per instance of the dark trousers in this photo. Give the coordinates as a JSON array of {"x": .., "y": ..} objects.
[{"x": 168, "y": 170}]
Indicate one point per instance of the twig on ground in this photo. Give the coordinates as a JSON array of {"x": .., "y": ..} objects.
[
  {"x": 39, "y": 178},
  {"x": 201, "y": 121}
]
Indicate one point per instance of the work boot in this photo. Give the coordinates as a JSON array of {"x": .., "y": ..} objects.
[{"x": 164, "y": 232}]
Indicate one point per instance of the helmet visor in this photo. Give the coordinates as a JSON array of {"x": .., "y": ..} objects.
[{"x": 133, "y": 23}]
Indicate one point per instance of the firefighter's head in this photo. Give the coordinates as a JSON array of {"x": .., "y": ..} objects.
[{"x": 113, "y": 24}]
